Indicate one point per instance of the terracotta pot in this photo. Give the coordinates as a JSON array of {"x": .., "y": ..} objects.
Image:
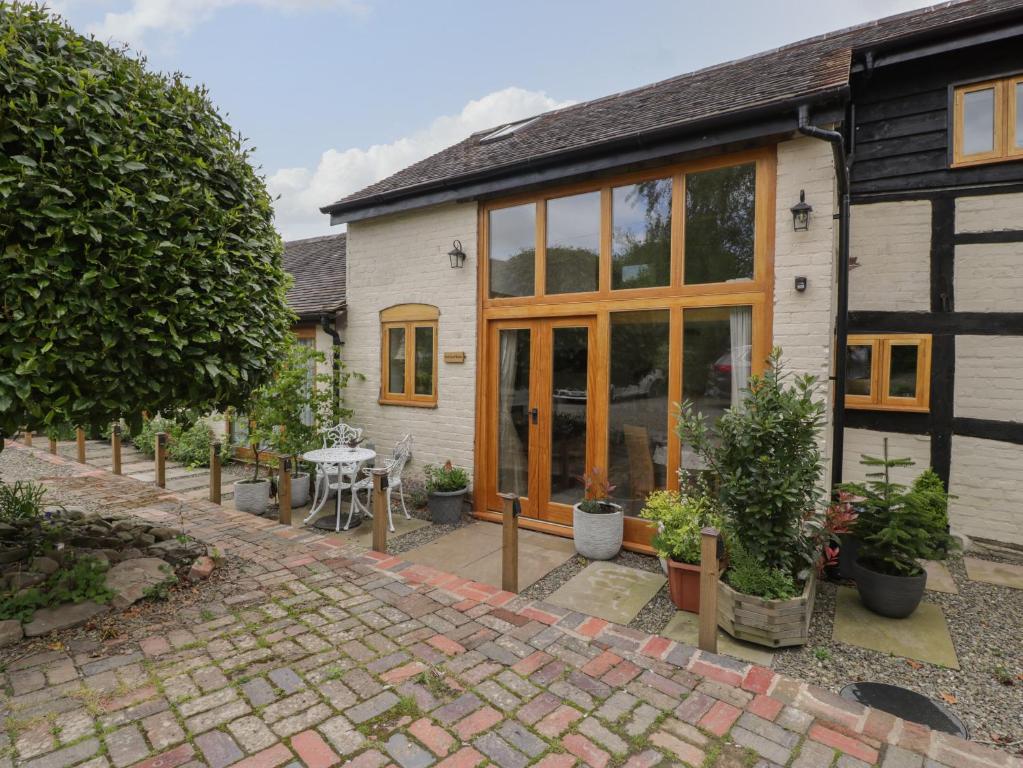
[{"x": 684, "y": 586}]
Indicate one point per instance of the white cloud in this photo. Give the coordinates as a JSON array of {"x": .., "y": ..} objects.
[
  {"x": 180, "y": 16},
  {"x": 340, "y": 172}
]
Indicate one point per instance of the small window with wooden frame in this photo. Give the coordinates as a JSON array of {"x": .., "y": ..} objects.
[
  {"x": 888, "y": 372},
  {"x": 987, "y": 122},
  {"x": 408, "y": 359}
]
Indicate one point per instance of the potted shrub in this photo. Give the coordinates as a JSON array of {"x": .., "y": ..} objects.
[
  {"x": 839, "y": 521},
  {"x": 896, "y": 527},
  {"x": 598, "y": 524},
  {"x": 446, "y": 487},
  {"x": 680, "y": 519},
  {"x": 253, "y": 494},
  {"x": 765, "y": 458}
]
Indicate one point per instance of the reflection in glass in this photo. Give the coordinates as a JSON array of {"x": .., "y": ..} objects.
[
  {"x": 641, "y": 234},
  {"x": 1018, "y": 142},
  {"x": 573, "y": 243},
  {"x": 513, "y": 413},
  {"x": 512, "y": 251},
  {"x": 902, "y": 377},
  {"x": 979, "y": 121},
  {"x": 638, "y": 417},
  {"x": 719, "y": 227},
  {"x": 424, "y": 360},
  {"x": 396, "y": 360},
  {"x": 568, "y": 413},
  {"x": 858, "y": 364}
]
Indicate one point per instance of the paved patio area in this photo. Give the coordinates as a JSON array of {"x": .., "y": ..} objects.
[{"x": 328, "y": 654}]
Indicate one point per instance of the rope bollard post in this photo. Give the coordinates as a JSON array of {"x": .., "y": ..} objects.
[
  {"x": 284, "y": 490},
  {"x": 510, "y": 542},
  {"x": 379, "y": 509},
  {"x": 708, "y": 620},
  {"x": 80, "y": 441},
  {"x": 215, "y": 471},
  {"x": 53, "y": 446},
  {"x": 161, "y": 459},
  {"x": 27, "y": 438},
  {"x": 115, "y": 446}
]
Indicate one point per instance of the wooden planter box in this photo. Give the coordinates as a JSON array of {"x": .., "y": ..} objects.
[{"x": 773, "y": 623}]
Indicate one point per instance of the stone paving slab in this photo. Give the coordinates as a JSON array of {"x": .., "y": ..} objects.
[
  {"x": 939, "y": 577},
  {"x": 685, "y": 628},
  {"x": 333, "y": 655},
  {"x": 609, "y": 591},
  {"x": 924, "y": 636},
  {"x": 1002, "y": 574}
]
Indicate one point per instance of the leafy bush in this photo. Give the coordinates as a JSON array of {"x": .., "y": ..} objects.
[
  {"x": 682, "y": 518},
  {"x": 188, "y": 442},
  {"x": 750, "y": 576},
  {"x": 130, "y": 211},
  {"x": 765, "y": 454},
  {"x": 446, "y": 478},
  {"x": 929, "y": 484},
  {"x": 85, "y": 579}
]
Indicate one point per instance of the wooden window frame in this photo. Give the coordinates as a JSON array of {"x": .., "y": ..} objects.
[
  {"x": 880, "y": 372},
  {"x": 408, "y": 317},
  {"x": 1003, "y": 148}
]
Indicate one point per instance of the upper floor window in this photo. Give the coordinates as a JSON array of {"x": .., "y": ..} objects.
[
  {"x": 408, "y": 373},
  {"x": 888, "y": 372},
  {"x": 987, "y": 125}
]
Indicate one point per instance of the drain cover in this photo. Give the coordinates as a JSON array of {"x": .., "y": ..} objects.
[
  {"x": 327, "y": 522},
  {"x": 907, "y": 704}
]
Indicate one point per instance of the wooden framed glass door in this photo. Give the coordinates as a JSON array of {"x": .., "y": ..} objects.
[{"x": 541, "y": 413}]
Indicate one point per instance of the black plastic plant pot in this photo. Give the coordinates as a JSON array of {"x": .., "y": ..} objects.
[
  {"x": 893, "y": 596},
  {"x": 848, "y": 551}
]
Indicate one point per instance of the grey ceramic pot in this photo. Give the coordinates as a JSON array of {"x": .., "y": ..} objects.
[
  {"x": 893, "y": 596},
  {"x": 446, "y": 506},
  {"x": 299, "y": 490},
  {"x": 251, "y": 496},
  {"x": 598, "y": 536}
]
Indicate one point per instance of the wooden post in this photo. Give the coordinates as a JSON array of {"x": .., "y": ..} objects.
[
  {"x": 115, "y": 445},
  {"x": 215, "y": 471},
  {"x": 53, "y": 446},
  {"x": 80, "y": 440},
  {"x": 284, "y": 490},
  {"x": 708, "y": 639},
  {"x": 27, "y": 438},
  {"x": 379, "y": 509},
  {"x": 161, "y": 459},
  {"x": 510, "y": 543}
]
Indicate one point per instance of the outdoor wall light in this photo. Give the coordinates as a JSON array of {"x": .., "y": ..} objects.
[
  {"x": 456, "y": 255},
  {"x": 800, "y": 283},
  {"x": 801, "y": 213}
]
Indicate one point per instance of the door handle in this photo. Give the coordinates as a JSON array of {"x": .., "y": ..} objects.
[{"x": 534, "y": 413}]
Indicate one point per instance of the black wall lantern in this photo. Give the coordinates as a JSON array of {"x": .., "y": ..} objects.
[
  {"x": 801, "y": 213},
  {"x": 456, "y": 255}
]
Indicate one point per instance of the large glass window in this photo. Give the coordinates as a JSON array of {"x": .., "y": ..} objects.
[
  {"x": 513, "y": 412},
  {"x": 512, "y": 250},
  {"x": 987, "y": 121},
  {"x": 638, "y": 405},
  {"x": 573, "y": 243},
  {"x": 409, "y": 339},
  {"x": 641, "y": 234},
  {"x": 720, "y": 224},
  {"x": 569, "y": 355}
]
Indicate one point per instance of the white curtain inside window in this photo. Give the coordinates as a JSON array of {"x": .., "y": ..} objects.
[
  {"x": 741, "y": 321},
  {"x": 511, "y": 455}
]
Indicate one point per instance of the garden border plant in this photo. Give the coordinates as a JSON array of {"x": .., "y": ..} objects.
[{"x": 446, "y": 487}]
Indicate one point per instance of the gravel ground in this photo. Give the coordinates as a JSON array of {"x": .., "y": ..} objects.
[{"x": 22, "y": 465}]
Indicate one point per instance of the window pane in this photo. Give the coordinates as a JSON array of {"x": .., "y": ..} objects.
[
  {"x": 638, "y": 418},
  {"x": 902, "y": 378},
  {"x": 424, "y": 360},
  {"x": 641, "y": 234},
  {"x": 396, "y": 360},
  {"x": 858, "y": 362},
  {"x": 1018, "y": 141},
  {"x": 720, "y": 224},
  {"x": 573, "y": 243},
  {"x": 512, "y": 250},
  {"x": 307, "y": 412},
  {"x": 979, "y": 121},
  {"x": 513, "y": 413},
  {"x": 568, "y": 412}
]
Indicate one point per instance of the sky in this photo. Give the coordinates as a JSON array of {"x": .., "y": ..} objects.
[{"x": 337, "y": 94}]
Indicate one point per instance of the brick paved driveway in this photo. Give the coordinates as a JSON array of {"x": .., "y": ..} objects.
[{"x": 333, "y": 655}]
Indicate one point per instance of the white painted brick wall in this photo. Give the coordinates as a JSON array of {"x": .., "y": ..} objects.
[
  {"x": 988, "y": 213},
  {"x": 804, "y": 322},
  {"x": 987, "y": 484},
  {"x": 403, "y": 259},
  {"x": 989, "y": 377},
  {"x": 869, "y": 442},
  {"x": 989, "y": 277},
  {"x": 892, "y": 244}
]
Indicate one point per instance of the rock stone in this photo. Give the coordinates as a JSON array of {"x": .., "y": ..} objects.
[
  {"x": 10, "y": 632},
  {"x": 12, "y": 554},
  {"x": 24, "y": 579},
  {"x": 201, "y": 568},
  {"x": 131, "y": 553},
  {"x": 45, "y": 565},
  {"x": 162, "y": 534},
  {"x": 62, "y": 617},
  {"x": 144, "y": 539},
  {"x": 131, "y": 580},
  {"x": 175, "y": 551}
]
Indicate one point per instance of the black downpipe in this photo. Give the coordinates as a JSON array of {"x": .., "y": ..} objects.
[
  {"x": 837, "y": 142},
  {"x": 327, "y": 323}
]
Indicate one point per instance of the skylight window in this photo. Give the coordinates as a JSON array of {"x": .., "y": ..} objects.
[{"x": 507, "y": 130}]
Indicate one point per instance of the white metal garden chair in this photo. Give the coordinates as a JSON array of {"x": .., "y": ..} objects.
[
  {"x": 335, "y": 477},
  {"x": 400, "y": 456}
]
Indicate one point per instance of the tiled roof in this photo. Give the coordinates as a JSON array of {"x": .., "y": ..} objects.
[
  {"x": 319, "y": 268},
  {"x": 811, "y": 68}
]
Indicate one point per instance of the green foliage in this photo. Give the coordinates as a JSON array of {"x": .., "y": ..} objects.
[
  {"x": 596, "y": 492},
  {"x": 765, "y": 455},
  {"x": 897, "y": 525},
  {"x": 21, "y": 500},
  {"x": 84, "y": 579},
  {"x": 929, "y": 484},
  {"x": 681, "y": 517},
  {"x": 139, "y": 265},
  {"x": 188, "y": 442},
  {"x": 749, "y": 575},
  {"x": 446, "y": 478}
]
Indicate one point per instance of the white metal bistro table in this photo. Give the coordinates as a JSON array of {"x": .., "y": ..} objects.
[{"x": 347, "y": 462}]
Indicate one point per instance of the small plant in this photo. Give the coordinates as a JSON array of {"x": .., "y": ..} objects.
[
  {"x": 936, "y": 499},
  {"x": 85, "y": 579},
  {"x": 681, "y": 518},
  {"x": 821, "y": 653},
  {"x": 750, "y": 576},
  {"x": 446, "y": 478},
  {"x": 597, "y": 493},
  {"x": 20, "y": 501}
]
